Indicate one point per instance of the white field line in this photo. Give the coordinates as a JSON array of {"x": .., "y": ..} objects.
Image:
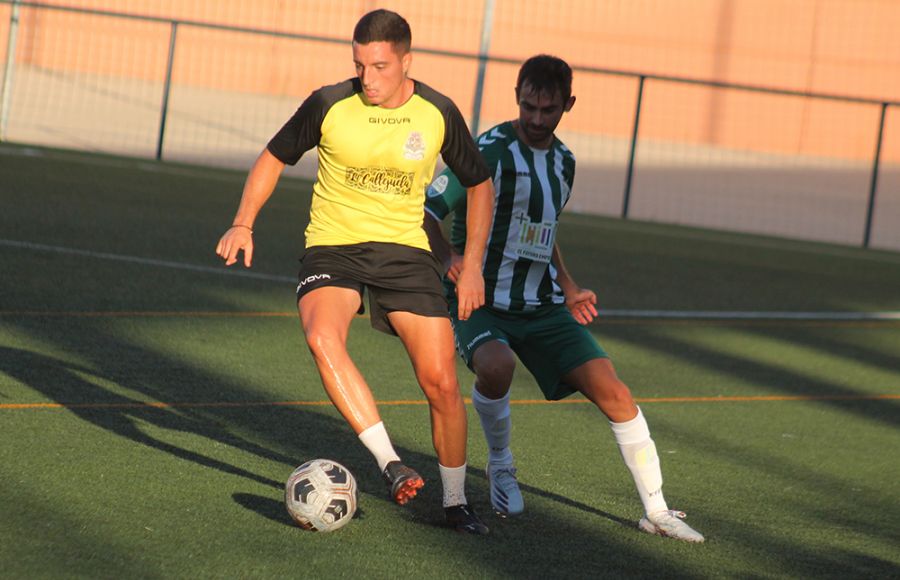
[
  {"x": 145, "y": 261},
  {"x": 751, "y": 315},
  {"x": 612, "y": 313}
]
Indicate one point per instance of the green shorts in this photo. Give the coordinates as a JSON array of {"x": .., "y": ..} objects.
[{"x": 548, "y": 341}]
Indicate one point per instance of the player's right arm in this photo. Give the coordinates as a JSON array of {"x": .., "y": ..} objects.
[
  {"x": 300, "y": 134},
  {"x": 258, "y": 188}
]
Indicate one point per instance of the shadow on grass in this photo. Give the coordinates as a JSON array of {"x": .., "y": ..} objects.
[
  {"x": 62, "y": 382},
  {"x": 273, "y": 509},
  {"x": 110, "y": 365},
  {"x": 545, "y": 540},
  {"x": 542, "y": 542},
  {"x": 269, "y": 508},
  {"x": 563, "y": 500},
  {"x": 786, "y": 381},
  {"x": 830, "y": 341},
  {"x": 791, "y": 516}
]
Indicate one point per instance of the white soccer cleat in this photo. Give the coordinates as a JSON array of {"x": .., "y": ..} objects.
[
  {"x": 668, "y": 523},
  {"x": 506, "y": 499}
]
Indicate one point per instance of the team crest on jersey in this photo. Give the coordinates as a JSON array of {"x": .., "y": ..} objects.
[{"x": 415, "y": 147}]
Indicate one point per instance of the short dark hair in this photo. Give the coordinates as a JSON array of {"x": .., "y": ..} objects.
[
  {"x": 383, "y": 26},
  {"x": 546, "y": 73}
]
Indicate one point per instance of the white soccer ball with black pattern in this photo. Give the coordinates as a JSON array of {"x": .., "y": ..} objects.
[{"x": 320, "y": 495}]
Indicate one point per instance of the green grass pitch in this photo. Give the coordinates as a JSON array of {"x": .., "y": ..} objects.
[{"x": 152, "y": 404}]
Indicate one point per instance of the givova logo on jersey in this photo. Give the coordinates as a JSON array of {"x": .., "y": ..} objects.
[{"x": 534, "y": 240}]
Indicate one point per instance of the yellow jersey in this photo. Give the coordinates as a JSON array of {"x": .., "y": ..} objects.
[{"x": 375, "y": 163}]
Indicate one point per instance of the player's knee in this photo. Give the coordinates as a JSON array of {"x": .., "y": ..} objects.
[
  {"x": 494, "y": 381},
  {"x": 614, "y": 397},
  {"x": 494, "y": 371},
  {"x": 440, "y": 387},
  {"x": 322, "y": 343},
  {"x": 619, "y": 394},
  {"x": 598, "y": 382}
]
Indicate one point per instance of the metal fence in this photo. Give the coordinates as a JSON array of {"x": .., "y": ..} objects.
[{"x": 159, "y": 88}]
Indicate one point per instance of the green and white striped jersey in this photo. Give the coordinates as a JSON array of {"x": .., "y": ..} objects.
[{"x": 532, "y": 186}]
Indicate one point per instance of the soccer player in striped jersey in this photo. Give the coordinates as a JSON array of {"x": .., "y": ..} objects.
[
  {"x": 378, "y": 137},
  {"x": 534, "y": 309}
]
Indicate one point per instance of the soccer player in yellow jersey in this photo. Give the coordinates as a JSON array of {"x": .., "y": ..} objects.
[{"x": 378, "y": 137}]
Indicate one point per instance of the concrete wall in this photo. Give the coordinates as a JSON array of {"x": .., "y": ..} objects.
[
  {"x": 708, "y": 157},
  {"x": 838, "y": 47}
]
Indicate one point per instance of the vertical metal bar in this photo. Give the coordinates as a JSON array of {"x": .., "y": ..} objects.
[
  {"x": 626, "y": 198},
  {"x": 9, "y": 69},
  {"x": 166, "y": 90},
  {"x": 873, "y": 183},
  {"x": 487, "y": 25}
]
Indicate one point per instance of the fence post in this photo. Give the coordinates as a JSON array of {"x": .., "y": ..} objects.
[
  {"x": 166, "y": 90},
  {"x": 873, "y": 182},
  {"x": 626, "y": 198},
  {"x": 9, "y": 69},
  {"x": 487, "y": 25}
]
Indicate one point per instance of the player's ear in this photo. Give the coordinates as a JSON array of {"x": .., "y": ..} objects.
[
  {"x": 406, "y": 61},
  {"x": 569, "y": 104}
]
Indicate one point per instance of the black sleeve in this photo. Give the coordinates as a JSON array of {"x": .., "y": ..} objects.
[
  {"x": 458, "y": 150},
  {"x": 303, "y": 130}
]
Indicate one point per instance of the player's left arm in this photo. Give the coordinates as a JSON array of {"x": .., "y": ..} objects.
[
  {"x": 581, "y": 302},
  {"x": 462, "y": 156},
  {"x": 479, "y": 214}
]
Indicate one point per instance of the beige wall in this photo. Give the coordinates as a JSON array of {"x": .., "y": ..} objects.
[{"x": 845, "y": 47}]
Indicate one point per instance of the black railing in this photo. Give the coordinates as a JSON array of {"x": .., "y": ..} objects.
[{"x": 482, "y": 59}]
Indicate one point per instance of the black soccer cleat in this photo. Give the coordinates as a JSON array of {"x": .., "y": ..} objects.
[
  {"x": 403, "y": 481},
  {"x": 464, "y": 520}
]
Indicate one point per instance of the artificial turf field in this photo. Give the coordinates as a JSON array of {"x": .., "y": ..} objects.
[{"x": 152, "y": 402}]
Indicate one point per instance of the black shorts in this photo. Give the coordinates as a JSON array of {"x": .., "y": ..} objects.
[{"x": 399, "y": 278}]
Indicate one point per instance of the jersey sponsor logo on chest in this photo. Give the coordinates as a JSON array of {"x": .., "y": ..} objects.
[
  {"x": 534, "y": 240},
  {"x": 380, "y": 180}
]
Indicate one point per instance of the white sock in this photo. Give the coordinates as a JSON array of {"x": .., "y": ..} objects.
[
  {"x": 376, "y": 440},
  {"x": 639, "y": 453},
  {"x": 454, "y": 481},
  {"x": 497, "y": 425}
]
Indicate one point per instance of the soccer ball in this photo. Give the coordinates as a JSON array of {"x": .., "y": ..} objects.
[{"x": 320, "y": 495}]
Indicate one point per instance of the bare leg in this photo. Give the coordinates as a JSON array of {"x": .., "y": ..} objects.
[
  {"x": 429, "y": 342},
  {"x": 494, "y": 363},
  {"x": 326, "y": 314},
  {"x": 597, "y": 380}
]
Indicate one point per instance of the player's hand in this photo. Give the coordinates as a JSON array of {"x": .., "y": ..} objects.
[
  {"x": 456, "y": 262},
  {"x": 469, "y": 291},
  {"x": 235, "y": 240},
  {"x": 581, "y": 303}
]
